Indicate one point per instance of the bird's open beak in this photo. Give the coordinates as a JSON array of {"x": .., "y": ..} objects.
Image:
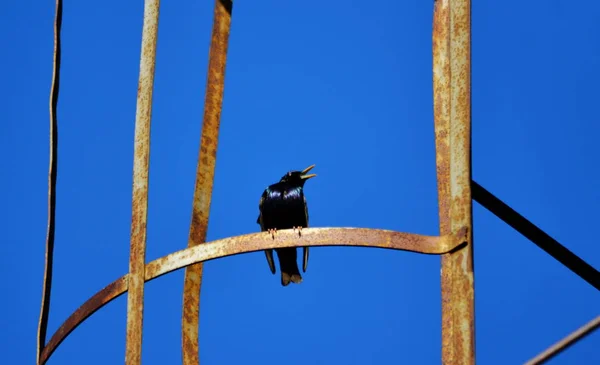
[{"x": 304, "y": 176}]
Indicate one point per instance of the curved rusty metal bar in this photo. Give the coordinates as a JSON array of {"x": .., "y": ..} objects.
[
  {"x": 205, "y": 172},
  {"x": 364, "y": 237},
  {"x": 97, "y": 301},
  {"x": 141, "y": 162},
  {"x": 47, "y": 283}
]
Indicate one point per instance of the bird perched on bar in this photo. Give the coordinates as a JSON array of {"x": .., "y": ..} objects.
[{"x": 283, "y": 206}]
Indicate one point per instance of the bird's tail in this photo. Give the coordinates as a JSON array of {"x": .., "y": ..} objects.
[{"x": 288, "y": 266}]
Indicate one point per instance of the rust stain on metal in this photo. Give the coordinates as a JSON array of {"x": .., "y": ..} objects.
[
  {"x": 205, "y": 176},
  {"x": 139, "y": 214},
  {"x": 452, "y": 113},
  {"x": 97, "y": 301},
  {"x": 47, "y": 281},
  {"x": 566, "y": 342},
  {"x": 365, "y": 237},
  {"x": 441, "y": 106}
]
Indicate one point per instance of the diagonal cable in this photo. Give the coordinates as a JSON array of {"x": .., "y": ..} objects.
[{"x": 536, "y": 235}]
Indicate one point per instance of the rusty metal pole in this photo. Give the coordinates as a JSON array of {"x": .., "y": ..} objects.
[
  {"x": 48, "y": 259},
  {"x": 452, "y": 114},
  {"x": 139, "y": 210},
  {"x": 205, "y": 172}
]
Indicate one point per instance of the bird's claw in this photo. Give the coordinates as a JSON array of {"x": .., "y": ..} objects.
[
  {"x": 273, "y": 232},
  {"x": 299, "y": 228}
]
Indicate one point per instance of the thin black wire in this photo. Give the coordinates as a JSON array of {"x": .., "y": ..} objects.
[
  {"x": 536, "y": 235},
  {"x": 47, "y": 284}
]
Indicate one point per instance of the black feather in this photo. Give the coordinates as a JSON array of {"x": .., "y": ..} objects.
[{"x": 283, "y": 206}]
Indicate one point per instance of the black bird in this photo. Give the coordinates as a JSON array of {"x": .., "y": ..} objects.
[{"x": 283, "y": 206}]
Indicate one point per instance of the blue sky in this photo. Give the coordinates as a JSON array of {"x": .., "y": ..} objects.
[{"x": 344, "y": 85}]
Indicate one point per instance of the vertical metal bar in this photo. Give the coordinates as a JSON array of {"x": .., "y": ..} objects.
[
  {"x": 205, "y": 176},
  {"x": 47, "y": 283},
  {"x": 452, "y": 114},
  {"x": 139, "y": 211}
]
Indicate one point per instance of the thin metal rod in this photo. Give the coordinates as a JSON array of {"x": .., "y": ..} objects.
[
  {"x": 97, "y": 301},
  {"x": 47, "y": 283},
  {"x": 452, "y": 115},
  {"x": 205, "y": 172},
  {"x": 536, "y": 235},
  {"x": 356, "y": 237},
  {"x": 566, "y": 342},
  {"x": 139, "y": 212}
]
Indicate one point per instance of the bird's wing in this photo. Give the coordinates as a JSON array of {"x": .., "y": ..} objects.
[
  {"x": 305, "y": 249},
  {"x": 305, "y": 209},
  {"x": 269, "y": 254},
  {"x": 260, "y": 204},
  {"x": 259, "y": 220}
]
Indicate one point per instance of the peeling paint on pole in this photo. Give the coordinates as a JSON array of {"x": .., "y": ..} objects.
[
  {"x": 141, "y": 160},
  {"x": 205, "y": 176},
  {"x": 452, "y": 113}
]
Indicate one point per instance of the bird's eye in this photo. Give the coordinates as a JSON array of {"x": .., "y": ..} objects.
[{"x": 290, "y": 173}]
